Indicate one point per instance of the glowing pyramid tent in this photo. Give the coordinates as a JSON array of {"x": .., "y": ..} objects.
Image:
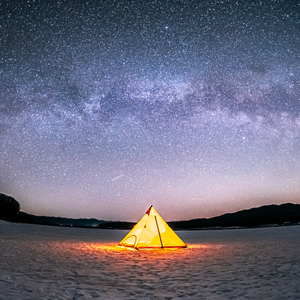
[{"x": 152, "y": 232}]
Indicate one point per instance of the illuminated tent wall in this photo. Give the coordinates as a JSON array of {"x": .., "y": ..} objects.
[{"x": 152, "y": 232}]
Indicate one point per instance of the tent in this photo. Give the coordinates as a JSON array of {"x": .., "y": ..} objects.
[{"x": 152, "y": 232}]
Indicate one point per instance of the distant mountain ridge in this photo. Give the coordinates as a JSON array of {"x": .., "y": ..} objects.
[{"x": 268, "y": 215}]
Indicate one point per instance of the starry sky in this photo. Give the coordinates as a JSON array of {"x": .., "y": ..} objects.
[{"x": 107, "y": 107}]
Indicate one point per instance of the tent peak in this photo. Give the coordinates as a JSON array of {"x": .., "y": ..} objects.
[{"x": 148, "y": 211}]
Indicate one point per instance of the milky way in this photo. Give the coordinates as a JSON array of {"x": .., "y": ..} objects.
[{"x": 192, "y": 106}]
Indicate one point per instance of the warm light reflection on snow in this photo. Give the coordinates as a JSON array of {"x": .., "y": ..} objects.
[
  {"x": 117, "y": 248},
  {"x": 112, "y": 251},
  {"x": 165, "y": 253},
  {"x": 99, "y": 247}
]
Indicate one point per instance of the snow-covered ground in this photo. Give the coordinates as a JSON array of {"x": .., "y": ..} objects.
[{"x": 43, "y": 262}]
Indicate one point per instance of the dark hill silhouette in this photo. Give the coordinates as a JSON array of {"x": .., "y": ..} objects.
[
  {"x": 283, "y": 214},
  {"x": 9, "y": 208}
]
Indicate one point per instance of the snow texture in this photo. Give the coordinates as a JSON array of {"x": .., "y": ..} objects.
[{"x": 43, "y": 262}]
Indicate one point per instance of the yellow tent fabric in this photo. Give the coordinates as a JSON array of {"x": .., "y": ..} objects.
[{"x": 152, "y": 232}]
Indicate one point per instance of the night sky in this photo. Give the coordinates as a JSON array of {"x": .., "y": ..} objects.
[{"x": 107, "y": 107}]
